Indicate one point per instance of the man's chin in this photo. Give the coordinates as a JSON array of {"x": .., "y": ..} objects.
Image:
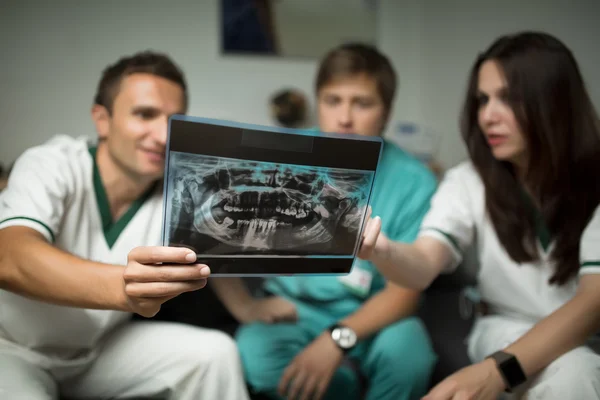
[
  {"x": 345, "y": 132},
  {"x": 152, "y": 173},
  {"x": 356, "y": 133}
]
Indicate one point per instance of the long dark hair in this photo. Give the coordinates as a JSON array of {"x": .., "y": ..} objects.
[{"x": 562, "y": 131}]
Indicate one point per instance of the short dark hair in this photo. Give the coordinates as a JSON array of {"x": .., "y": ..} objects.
[
  {"x": 358, "y": 58},
  {"x": 147, "y": 62},
  {"x": 553, "y": 109}
]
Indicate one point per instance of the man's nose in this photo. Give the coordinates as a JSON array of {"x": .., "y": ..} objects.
[
  {"x": 345, "y": 116},
  {"x": 161, "y": 130}
]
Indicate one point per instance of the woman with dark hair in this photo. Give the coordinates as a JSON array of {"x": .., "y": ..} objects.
[{"x": 528, "y": 202}]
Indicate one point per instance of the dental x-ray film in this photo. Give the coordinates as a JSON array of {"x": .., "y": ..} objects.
[{"x": 253, "y": 200}]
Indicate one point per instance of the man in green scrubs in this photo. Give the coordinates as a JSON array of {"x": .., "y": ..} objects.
[{"x": 292, "y": 341}]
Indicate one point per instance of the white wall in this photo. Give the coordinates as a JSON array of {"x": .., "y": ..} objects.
[
  {"x": 312, "y": 27},
  {"x": 401, "y": 39},
  {"x": 52, "y": 54}
]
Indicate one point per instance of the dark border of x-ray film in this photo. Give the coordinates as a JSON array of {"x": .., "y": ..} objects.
[{"x": 277, "y": 145}]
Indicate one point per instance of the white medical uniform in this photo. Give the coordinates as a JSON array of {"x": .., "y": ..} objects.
[
  {"x": 518, "y": 295},
  {"x": 56, "y": 189}
]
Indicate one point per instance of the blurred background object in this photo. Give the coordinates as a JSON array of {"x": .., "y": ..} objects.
[
  {"x": 295, "y": 28},
  {"x": 418, "y": 140},
  {"x": 289, "y": 108},
  {"x": 4, "y": 171}
]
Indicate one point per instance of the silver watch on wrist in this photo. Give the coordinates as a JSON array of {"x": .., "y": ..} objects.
[{"x": 343, "y": 336}]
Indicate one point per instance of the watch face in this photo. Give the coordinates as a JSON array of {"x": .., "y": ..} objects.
[{"x": 344, "y": 337}]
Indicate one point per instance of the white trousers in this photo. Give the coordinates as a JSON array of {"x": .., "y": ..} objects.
[
  {"x": 574, "y": 375},
  {"x": 140, "y": 359}
]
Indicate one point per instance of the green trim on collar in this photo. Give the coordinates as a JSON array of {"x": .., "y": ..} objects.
[
  {"x": 112, "y": 229},
  {"x": 541, "y": 229}
]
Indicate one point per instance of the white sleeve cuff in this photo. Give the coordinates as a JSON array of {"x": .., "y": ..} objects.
[
  {"x": 450, "y": 243},
  {"x": 590, "y": 267},
  {"x": 30, "y": 223}
]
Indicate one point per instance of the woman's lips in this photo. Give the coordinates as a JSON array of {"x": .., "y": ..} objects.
[{"x": 496, "y": 140}]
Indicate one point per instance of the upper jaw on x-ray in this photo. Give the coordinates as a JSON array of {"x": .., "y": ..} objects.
[{"x": 259, "y": 206}]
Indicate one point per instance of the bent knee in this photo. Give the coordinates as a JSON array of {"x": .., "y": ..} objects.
[
  {"x": 575, "y": 374},
  {"x": 223, "y": 345},
  {"x": 576, "y": 365},
  {"x": 252, "y": 340},
  {"x": 209, "y": 347},
  {"x": 256, "y": 339},
  {"x": 405, "y": 347},
  {"x": 250, "y": 334},
  {"x": 406, "y": 340},
  {"x": 265, "y": 351}
]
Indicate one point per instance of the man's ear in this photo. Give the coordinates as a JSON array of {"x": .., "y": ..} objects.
[{"x": 101, "y": 118}]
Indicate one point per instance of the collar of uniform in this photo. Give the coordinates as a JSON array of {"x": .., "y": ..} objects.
[{"x": 112, "y": 229}]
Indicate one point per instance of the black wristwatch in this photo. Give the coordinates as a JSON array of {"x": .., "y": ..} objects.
[
  {"x": 510, "y": 369},
  {"x": 344, "y": 337}
]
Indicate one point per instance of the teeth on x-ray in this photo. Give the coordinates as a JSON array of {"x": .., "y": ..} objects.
[{"x": 263, "y": 205}]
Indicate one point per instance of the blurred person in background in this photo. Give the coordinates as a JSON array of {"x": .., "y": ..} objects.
[{"x": 292, "y": 341}]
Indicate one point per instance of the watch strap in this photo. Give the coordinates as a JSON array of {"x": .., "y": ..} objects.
[{"x": 510, "y": 369}]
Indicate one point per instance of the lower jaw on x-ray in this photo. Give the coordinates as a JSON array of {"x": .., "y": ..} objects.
[{"x": 223, "y": 206}]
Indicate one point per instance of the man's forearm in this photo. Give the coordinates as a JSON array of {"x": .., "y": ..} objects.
[
  {"x": 568, "y": 327},
  {"x": 383, "y": 309},
  {"x": 31, "y": 267},
  {"x": 234, "y": 294}
]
